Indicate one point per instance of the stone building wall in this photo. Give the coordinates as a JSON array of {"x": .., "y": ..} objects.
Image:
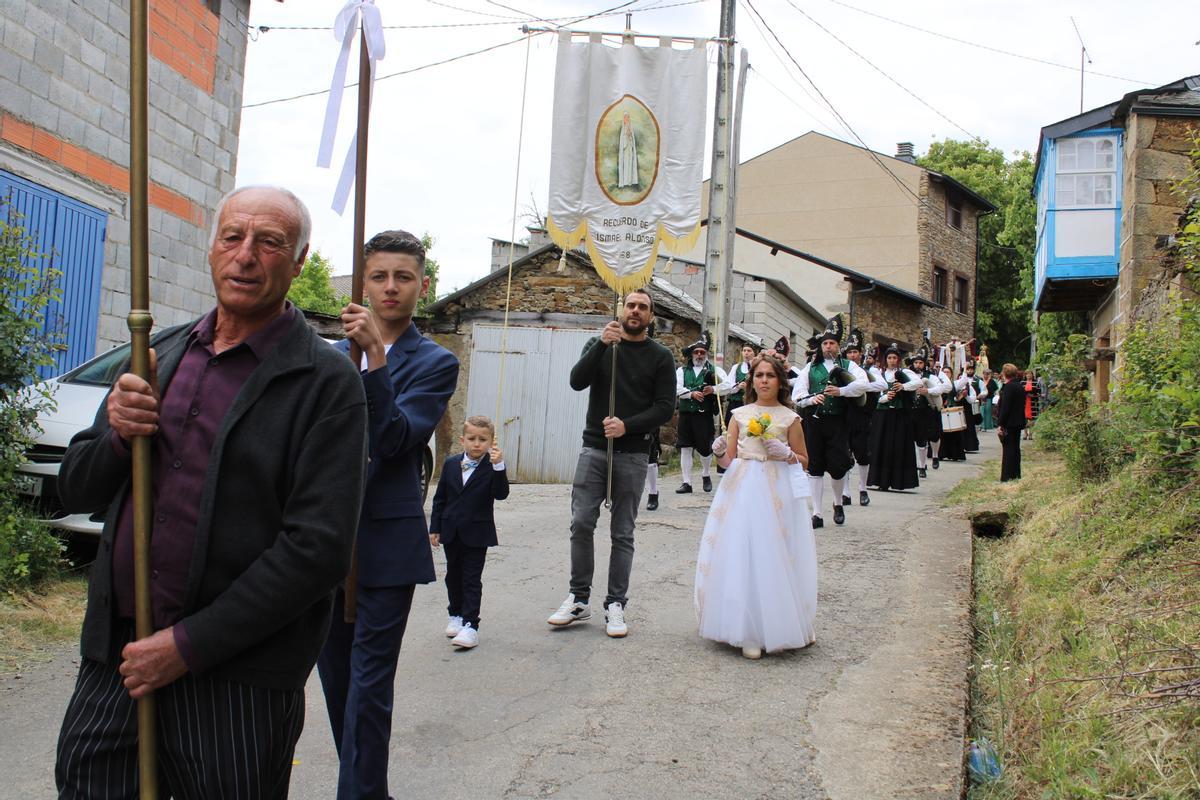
[
  {"x": 64, "y": 124},
  {"x": 887, "y": 318},
  {"x": 1156, "y": 159},
  {"x": 953, "y": 250}
]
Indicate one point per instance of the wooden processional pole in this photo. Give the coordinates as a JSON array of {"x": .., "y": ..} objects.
[
  {"x": 350, "y": 611},
  {"x": 140, "y": 322}
]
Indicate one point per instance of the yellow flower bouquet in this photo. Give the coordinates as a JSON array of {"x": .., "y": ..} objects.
[{"x": 759, "y": 426}]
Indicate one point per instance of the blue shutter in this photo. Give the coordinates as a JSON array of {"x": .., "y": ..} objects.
[{"x": 69, "y": 235}]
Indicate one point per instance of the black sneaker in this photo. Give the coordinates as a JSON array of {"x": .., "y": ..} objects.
[
  {"x": 817, "y": 522},
  {"x": 864, "y": 499},
  {"x": 652, "y": 502},
  {"x": 921, "y": 473},
  {"x": 935, "y": 463},
  {"x": 706, "y": 482},
  {"x": 684, "y": 488},
  {"x": 846, "y": 500},
  {"x": 839, "y": 516}
]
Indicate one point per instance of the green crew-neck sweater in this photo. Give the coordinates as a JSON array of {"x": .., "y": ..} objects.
[{"x": 645, "y": 396}]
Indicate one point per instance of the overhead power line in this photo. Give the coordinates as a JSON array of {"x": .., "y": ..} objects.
[
  {"x": 968, "y": 43},
  {"x": 899, "y": 182},
  {"x": 880, "y": 70}
]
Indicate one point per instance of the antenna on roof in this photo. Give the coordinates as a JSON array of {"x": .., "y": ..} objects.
[{"x": 1083, "y": 53}]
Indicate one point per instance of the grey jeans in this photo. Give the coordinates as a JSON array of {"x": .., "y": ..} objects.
[{"x": 587, "y": 495}]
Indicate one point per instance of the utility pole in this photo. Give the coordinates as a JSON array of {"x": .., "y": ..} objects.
[{"x": 718, "y": 256}]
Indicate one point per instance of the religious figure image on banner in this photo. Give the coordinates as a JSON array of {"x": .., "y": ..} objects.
[
  {"x": 626, "y": 137},
  {"x": 627, "y": 153}
]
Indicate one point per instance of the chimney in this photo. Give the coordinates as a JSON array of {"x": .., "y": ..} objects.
[
  {"x": 537, "y": 236},
  {"x": 904, "y": 152}
]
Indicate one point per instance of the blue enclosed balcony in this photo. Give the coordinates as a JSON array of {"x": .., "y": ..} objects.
[{"x": 1078, "y": 190}]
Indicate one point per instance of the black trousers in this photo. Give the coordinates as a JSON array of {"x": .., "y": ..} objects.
[
  {"x": 696, "y": 430},
  {"x": 215, "y": 738},
  {"x": 464, "y": 580},
  {"x": 1010, "y": 455},
  {"x": 828, "y": 445}
]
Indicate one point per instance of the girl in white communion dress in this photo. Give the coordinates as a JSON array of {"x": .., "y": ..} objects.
[{"x": 756, "y": 574}]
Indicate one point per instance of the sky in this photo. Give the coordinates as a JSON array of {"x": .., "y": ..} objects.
[{"x": 449, "y": 152}]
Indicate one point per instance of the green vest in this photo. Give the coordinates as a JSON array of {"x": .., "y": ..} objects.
[
  {"x": 694, "y": 382},
  {"x": 818, "y": 379},
  {"x": 739, "y": 375},
  {"x": 902, "y": 401}
]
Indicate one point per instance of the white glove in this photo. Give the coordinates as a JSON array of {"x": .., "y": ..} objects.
[
  {"x": 719, "y": 446},
  {"x": 777, "y": 450}
]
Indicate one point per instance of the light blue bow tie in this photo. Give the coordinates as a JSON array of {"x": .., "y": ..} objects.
[{"x": 468, "y": 464}]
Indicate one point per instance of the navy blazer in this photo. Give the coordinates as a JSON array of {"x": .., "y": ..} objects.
[
  {"x": 405, "y": 401},
  {"x": 465, "y": 512}
]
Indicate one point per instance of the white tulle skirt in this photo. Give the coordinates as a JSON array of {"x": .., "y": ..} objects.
[{"x": 756, "y": 574}]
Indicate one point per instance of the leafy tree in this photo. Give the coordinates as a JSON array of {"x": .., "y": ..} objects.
[
  {"x": 312, "y": 289},
  {"x": 431, "y": 269},
  {"x": 1007, "y": 239}
]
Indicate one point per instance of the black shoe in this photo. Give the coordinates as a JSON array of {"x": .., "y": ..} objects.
[
  {"x": 864, "y": 499},
  {"x": 817, "y": 522},
  {"x": 839, "y": 516},
  {"x": 706, "y": 482},
  {"x": 684, "y": 488},
  {"x": 652, "y": 502},
  {"x": 921, "y": 473},
  {"x": 935, "y": 463},
  {"x": 846, "y": 500},
  {"x": 720, "y": 470}
]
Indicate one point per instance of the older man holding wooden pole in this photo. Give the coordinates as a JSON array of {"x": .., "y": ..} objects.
[{"x": 258, "y": 433}]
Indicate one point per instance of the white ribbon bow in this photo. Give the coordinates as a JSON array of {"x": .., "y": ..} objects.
[{"x": 344, "y": 28}]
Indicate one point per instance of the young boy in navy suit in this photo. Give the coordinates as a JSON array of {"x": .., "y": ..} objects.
[{"x": 463, "y": 521}]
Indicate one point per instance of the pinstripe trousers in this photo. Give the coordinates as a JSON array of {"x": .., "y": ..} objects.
[{"x": 216, "y": 739}]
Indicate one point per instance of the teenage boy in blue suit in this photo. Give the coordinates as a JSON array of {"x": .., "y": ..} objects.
[
  {"x": 463, "y": 521},
  {"x": 408, "y": 381}
]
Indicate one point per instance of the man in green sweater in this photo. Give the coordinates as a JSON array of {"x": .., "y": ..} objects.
[{"x": 645, "y": 399}]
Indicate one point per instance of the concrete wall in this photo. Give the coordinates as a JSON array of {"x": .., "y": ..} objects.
[{"x": 64, "y": 123}]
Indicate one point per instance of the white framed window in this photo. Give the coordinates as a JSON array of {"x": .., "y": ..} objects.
[{"x": 1086, "y": 174}]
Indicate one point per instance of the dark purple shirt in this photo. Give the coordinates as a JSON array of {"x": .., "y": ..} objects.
[{"x": 197, "y": 399}]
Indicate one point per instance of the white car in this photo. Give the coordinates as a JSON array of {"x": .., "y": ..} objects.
[{"x": 78, "y": 395}]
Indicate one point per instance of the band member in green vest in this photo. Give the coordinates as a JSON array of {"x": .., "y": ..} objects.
[
  {"x": 927, "y": 409},
  {"x": 737, "y": 379},
  {"x": 696, "y": 385},
  {"x": 858, "y": 417},
  {"x": 826, "y": 385},
  {"x": 893, "y": 457}
]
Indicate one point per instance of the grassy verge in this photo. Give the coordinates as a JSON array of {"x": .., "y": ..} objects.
[
  {"x": 32, "y": 625},
  {"x": 1086, "y": 668}
]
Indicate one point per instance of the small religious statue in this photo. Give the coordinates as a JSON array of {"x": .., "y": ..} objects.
[{"x": 627, "y": 165}]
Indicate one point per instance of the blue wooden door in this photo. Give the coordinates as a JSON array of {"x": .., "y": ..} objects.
[{"x": 69, "y": 236}]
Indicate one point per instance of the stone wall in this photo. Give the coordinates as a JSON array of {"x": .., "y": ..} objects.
[
  {"x": 951, "y": 249},
  {"x": 886, "y": 318},
  {"x": 64, "y": 124}
]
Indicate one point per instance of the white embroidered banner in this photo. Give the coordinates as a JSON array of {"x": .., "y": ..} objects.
[{"x": 627, "y": 153}]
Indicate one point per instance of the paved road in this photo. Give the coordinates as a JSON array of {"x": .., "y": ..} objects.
[{"x": 873, "y": 710}]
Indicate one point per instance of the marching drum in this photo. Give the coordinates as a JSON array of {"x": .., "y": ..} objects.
[{"x": 953, "y": 420}]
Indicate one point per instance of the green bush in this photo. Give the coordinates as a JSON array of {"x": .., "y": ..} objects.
[{"x": 29, "y": 553}]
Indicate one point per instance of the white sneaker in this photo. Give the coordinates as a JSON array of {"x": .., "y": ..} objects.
[
  {"x": 615, "y": 619},
  {"x": 453, "y": 626},
  {"x": 467, "y": 638},
  {"x": 753, "y": 653},
  {"x": 570, "y": 611}
]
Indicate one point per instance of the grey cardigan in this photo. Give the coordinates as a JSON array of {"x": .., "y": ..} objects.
[{"x": 278, "y": 512}]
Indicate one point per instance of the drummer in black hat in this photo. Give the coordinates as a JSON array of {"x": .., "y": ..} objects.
[
  {"x": 697, "y": 383},
  {"x": 827, "y": 384},
  {"x": 858, "y": 417}
]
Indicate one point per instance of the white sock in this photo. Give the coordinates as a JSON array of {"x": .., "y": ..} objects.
[
  {"x": 685, "y": 463},
  {"x": 921, "y": 457},
  {"x": 862, "y": 476},
  {"x": 652, "y": 479},
  {"x": 817, "y": 484},
  {"x": 705, "y": 465},
  {"x": 839, "y": 489}
]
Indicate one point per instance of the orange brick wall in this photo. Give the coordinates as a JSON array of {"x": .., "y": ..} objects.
[
  {"x": 183, "y": 35},
  {"x": 92, "y": 166}
]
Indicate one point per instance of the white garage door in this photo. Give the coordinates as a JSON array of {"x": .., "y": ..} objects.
[{"x": 540, "y": 425}]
